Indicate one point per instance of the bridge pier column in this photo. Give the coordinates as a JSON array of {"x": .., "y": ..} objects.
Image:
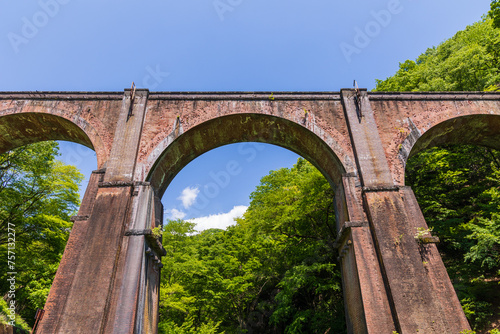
[
  {"x": 134, "y": 296},
  {"x": 61, "y": 286},
  {"x": 108, "y": 281},
  {"x": 362, "y": 281},
  {"x": 418, "y": 290}
]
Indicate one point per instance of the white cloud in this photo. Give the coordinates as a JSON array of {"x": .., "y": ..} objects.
[
  {"x": 176, "y": 214},
  {"x": 221, "y": 220},
  {"x": 188, "y": 196}
]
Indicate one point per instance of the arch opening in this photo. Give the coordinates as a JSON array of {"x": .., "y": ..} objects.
[
  {"x": 245, "y": 128},
  {"x": 240, "y": 250},
  {"x": 481, "y": 130},
  {"x": 314, "y": 146},
  {"x": 20, "y": 129},
  {"x": 27, "y": 128}
]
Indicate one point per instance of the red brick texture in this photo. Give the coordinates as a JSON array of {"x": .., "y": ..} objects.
[{"x": 108, "y": 279}]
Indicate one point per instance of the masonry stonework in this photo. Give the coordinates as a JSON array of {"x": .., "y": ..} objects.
[{"x": 108, "y": 279}]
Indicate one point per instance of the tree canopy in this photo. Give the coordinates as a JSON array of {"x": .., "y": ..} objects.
[
  {"x": 469, "y": 61},
  {"x": 275, "y": 271},
  {"x": 38, "y": 195},
  {"x": 494, "y": 13}
]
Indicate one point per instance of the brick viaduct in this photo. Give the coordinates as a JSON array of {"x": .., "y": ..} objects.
[{"x": 108, "y": 279}]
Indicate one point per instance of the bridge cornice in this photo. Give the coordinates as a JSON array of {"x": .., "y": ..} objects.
[
  {"x": 258, "y": 95},
  {"x": 433, "y": 96},
  {"x": 207, "y": 96},
  {"x": 36, "y": 95}
]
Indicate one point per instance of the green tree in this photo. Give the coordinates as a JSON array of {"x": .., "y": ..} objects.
[
  {"x": 469, "y": 61},
  {"x": 459, "y": 198},
  {"x": 296, "y": 207},
  {"x": 38, "y": 194},
  {"x": 494, "y": 13},
  {"x": 458, "y": 191},
  {"x": 209, "y": 278},
  {"x": 275, "y": 271}
]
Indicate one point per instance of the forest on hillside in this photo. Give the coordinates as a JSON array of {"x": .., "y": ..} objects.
[{"x": 276, "y": 269}]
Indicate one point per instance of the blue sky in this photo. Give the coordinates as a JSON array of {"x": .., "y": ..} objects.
[{"x": 216, "y": 45}]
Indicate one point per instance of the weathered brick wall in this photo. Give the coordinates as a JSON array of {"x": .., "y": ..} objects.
[
  {"x": 209, "y": 120},
  {"x": 85, "y": 118},
  {"x": 401, "y": 115},
  {"x": 96, "y": 114}
]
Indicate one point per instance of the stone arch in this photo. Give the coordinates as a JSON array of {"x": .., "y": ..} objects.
[
  {"x": 478, "y": 129},
  {"x": 22, "y": 128},
  {"x": 314, "y": 145},
  {"x": 245, "y": 127}
]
